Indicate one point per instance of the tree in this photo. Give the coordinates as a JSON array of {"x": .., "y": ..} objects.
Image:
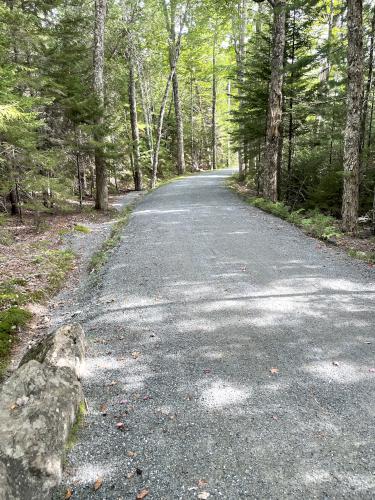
[
  {"x": 101, "y": 200},
  {"x": 352, "y": 137}
]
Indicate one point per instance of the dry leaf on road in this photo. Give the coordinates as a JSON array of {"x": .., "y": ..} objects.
[
  {"x": 202, "y": 483},
  {"x": 98, "y": 484},
  {"x": 68, "y": 493},
  {"x": 142, "y": 494},
  {"x": 135, "y": 354},
  {"x": 274, "y": 371}
]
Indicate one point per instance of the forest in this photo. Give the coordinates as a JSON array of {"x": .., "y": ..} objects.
[{"x": 99, "y": 96}]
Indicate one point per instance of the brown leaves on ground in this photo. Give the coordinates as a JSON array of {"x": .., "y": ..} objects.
[
  {"x": 202, "y": 483},
  {"x": 120, "y": 426},
  {"x": 274, "y": 371},
  {"x": 135, "y": 354},
  {"x": 68, "y": 493},
  {"x": 103, "y": 409},
  {"x": 98, "y": 484},
  {"x": 142, "y": 494},
  {"x": 132, "y": 454}
]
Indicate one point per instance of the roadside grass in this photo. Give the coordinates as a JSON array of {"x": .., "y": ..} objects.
[
  {"x": 313, "y": 222},
  {"x": 365, "y": 256},
  {"x": 100, "y": 257},
  {"x": 82, "y": 229}
]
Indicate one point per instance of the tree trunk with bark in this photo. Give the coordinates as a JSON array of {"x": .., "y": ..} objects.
[
  {"x": 137, "y": 172},
  {"x": 214, "y": 98},
  {"x": 352, "y": 136},
  {"x": 101, "y": 201},
  {"x": 275, "y": 102}
]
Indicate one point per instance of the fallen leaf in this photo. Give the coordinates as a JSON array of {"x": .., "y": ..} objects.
[
  {"x": 120, "y": 425},
  {"x": 68, "y": 494},
  {"x": 114, "y": 382},
  {"x": 13, "y": 407},
  {"x": 275, "y": 417},
  {"x": 132, "y": 454},
  {"x": 135, "y": 354},
  {"x": 131, "y": 474},
  {"x": 103, "y": 409},
  {"x": 142, "y": 494},
  {"x": 335, "y": 363},
  {"x": 202, "y": 483},
  {"x": 372, "y": 370},
  {"x": 274, "y": 371},
  {"x": 207, "y": 370},
  {"x": 203, "y": 495},
  {"x": 145, "y": 398},
  {"x": 98, "y": 484}
]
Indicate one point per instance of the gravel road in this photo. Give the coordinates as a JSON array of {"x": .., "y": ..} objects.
[{"x": 237, "y": 352}]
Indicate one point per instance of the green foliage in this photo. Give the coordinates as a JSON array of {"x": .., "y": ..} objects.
[
  {"x": 10, "y": 320},
  {"x": 313, "y": 222},
  {"x": 82, "y": 229},
  {"x": 361, "y": 255}
]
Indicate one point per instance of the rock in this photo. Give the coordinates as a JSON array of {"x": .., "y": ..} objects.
[
  {"x": 38, "y": 406},
  {"x": 65, "y": 347}
]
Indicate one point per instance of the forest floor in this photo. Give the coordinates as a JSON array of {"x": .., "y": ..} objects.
[
  {"x": 229, "y": 355},
  {"x": 40, "y": 256}
]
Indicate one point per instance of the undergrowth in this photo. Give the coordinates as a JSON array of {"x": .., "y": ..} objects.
[
  {"x": 16, "y": 293},
  {"x": 313, "y": 222}
]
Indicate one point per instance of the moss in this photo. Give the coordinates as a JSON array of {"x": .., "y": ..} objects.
[
  {"x": 82, "y": 229},
  {"x": 10, "y": 320},
  {"x": 80, "y": 417}
]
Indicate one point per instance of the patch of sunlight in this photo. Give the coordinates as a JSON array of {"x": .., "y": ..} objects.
[
  {"x": 317, "y": 476},
  {"x": 222, "y": 394},
  {"x": 101, "y": 364},
  {"x": 342, "y": 373},
  {"x": 213, "y": 355},
  {"x": 88, "y": 473},
  {"x": 148, "y": 212}
]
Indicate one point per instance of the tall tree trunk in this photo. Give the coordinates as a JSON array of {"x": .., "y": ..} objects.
[
  {"x": 240, "y": 29},
  {"x": 275, "y": 102},
  {"x": 179, "y": 126},
  {"x": 352, "y": 137},
  {"x": 137, "y": 172},
  {"x": 101, "y": 200},
  {"x": 174, "y": 48},
  {"x": 214, "y": 98},
  {"x": 290, "y": 112},
  {"x": 155, "y": 160},
  {"x": 369, "y": 82},
  {"x": 146, "y": 108}
]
